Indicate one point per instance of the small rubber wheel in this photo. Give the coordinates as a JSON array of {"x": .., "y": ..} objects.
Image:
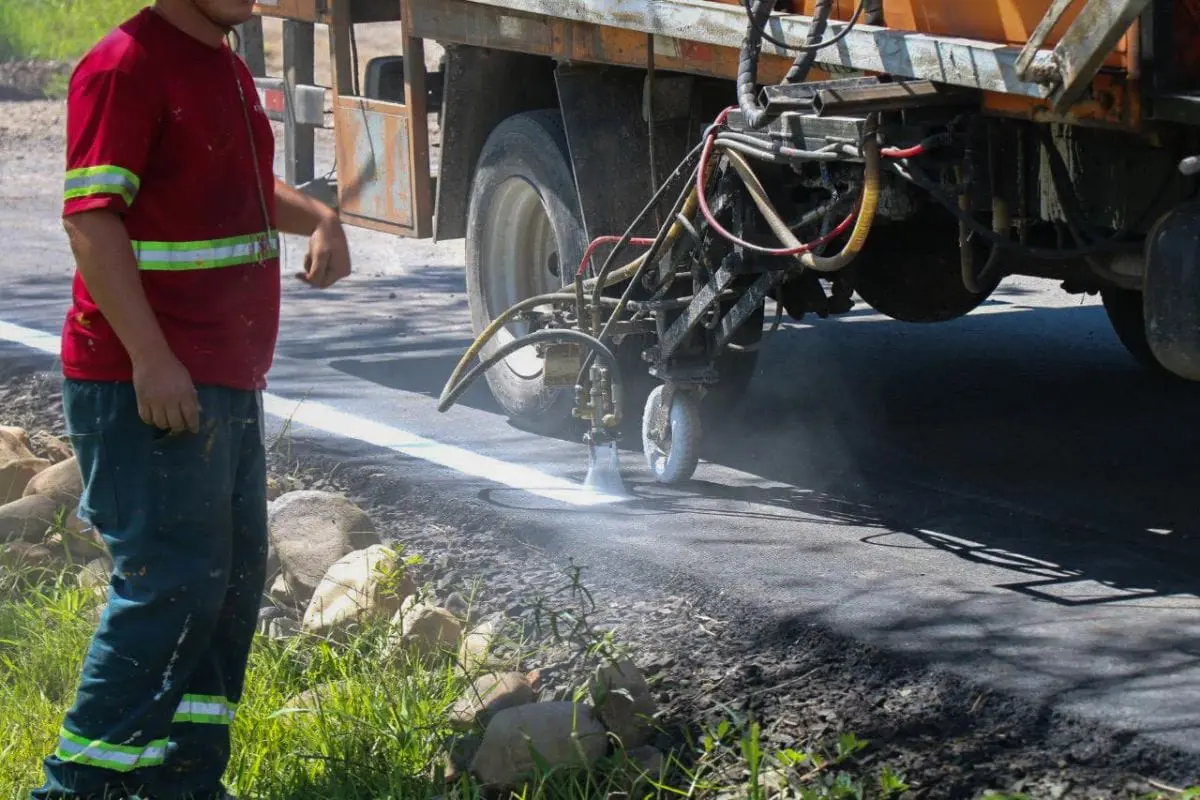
[{"x": 674, "y": 457}]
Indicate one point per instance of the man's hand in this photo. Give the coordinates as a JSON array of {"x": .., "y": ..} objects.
[
  {"x": 165, "y": 393},
  {"x": 166, "y": 396},
  {"x": 328, "y": 258}
]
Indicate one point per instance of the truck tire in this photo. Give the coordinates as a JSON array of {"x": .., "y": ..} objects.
[
  {"x": 525, "y": 236},
  {"x": 1128, "y": 320},
  {"x": 912, "y": 271}
]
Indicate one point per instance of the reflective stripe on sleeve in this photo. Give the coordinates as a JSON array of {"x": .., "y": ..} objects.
[
  {"x": 203, "y": 709},
  {"x": 107, "y": 179},
  {"x": 76, "y": 749},
  {"x": 211, "y": 254}
]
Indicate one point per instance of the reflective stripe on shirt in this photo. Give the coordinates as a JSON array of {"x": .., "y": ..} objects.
[
  {"x": 104, "y": 179},
  {"x": 211, "y": 254}
]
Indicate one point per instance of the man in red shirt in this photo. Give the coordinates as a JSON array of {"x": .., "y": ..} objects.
[{"x": 173, "y": 214}]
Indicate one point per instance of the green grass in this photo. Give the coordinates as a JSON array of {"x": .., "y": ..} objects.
[
  {"x": 58, "y": 29},
  {"x": 379, "y": 731}
]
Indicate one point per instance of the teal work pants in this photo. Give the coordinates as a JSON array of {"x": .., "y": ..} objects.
[{"x": 184, "y": 517}]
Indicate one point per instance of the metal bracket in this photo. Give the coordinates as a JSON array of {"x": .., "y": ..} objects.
[
  {"x": 1086, "y": 44},
  {"x": 561, "y": 366},
  {"x": 1052, "y": 17},
  {"x": 322, "y": 189},
  {"x": 701, "y": 303},
  {"x": 745, "y": 307},
  {"x": 308, "y": 102}
]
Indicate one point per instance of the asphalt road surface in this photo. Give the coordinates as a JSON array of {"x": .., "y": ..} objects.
[{"x": 1007, "y": 494}]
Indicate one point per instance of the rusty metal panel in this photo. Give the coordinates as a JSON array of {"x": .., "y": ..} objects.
[{"x": 375, "y": 180}]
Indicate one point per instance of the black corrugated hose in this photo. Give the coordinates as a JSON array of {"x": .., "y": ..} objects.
[
  {"x": 747, "y": 82},
  {"x": 822, "y": 11}
]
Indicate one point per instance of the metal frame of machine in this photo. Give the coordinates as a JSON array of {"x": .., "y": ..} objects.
[{"x": 786, "y": 156}]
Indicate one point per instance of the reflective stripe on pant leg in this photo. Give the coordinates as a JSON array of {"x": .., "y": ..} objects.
[
  {"x": 204, "y": 709},
  {"x": 75, "y": 749}
]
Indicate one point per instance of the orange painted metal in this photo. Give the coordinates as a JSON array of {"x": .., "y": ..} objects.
[
  {"x": 1000, "y": 21},
  {"x": 474, "y": 24}
]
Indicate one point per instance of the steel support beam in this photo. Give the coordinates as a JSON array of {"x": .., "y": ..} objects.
[
  {"x": 1087, "y": 43},
  {"x": 942, "y": 59},
  {"x": 299, "y": 143}
]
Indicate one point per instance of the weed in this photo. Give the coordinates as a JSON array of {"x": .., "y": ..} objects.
[{"x": 58, "y": 30}]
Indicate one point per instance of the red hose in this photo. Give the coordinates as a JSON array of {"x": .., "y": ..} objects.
[
  {"x": 716, "y": 226},
  {"x": 908, "y": 152},
  {"x": 599, "y": 240}
]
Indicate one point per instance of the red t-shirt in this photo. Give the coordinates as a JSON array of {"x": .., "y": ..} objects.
[{"x": 156, "y": 131}]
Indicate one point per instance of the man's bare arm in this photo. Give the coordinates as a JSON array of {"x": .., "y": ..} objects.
[
  {"x": 166, "y": 395},
  {"x": 328, "y": 258},
  {"x": 298, "y": 213}
]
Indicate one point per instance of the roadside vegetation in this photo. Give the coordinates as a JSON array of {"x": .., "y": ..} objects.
[
  {"x": 58, "y": 30},
  {"x": 380, "y": 728}
]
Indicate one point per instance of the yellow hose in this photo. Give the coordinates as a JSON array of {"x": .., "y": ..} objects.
[
  {"x": 492, "y": 329},
  {"x": 629, "y": 270},
  {"x": 862, "y": 223}
]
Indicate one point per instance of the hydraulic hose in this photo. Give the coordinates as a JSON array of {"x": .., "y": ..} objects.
[
  {"x": 607, "y": 276},
  {"x": 809, "y": 44},
  {"x": 492, "y": 329},
  {"x": 913, "y": 174},
  {"x": 747, "y": 78},
  {"x": 557, "y": 336},
  {"x": 665, "y": 238},
  {"x": 865, "y": 217},
  {"x": 974, "y": 282},
  {"x": 822, "y": 11}
]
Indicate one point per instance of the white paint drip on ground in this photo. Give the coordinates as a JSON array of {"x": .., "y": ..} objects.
[{"x": 328, "y": 419}]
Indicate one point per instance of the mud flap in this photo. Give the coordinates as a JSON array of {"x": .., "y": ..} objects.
[{"x": 1171, "y": 297}]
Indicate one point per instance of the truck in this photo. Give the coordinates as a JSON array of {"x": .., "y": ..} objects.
[{"x": 636, "y": 179}]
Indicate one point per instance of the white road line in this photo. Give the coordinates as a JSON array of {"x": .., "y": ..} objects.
[{"x": 338, "y": 423}]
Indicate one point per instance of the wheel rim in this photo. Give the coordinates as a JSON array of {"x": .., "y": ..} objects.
[
  {"x": 520, "y": 256},
  {"x": 660, "y": 448}
]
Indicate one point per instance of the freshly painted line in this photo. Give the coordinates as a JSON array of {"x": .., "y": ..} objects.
[
  {"x": 34, "y": 340},
  {"x": 330, "y": 420}
]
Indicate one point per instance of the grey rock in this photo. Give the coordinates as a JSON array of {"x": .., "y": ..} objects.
[
  {"x": 564, "y": 735},
  {"x": 311, "y": 531}
]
